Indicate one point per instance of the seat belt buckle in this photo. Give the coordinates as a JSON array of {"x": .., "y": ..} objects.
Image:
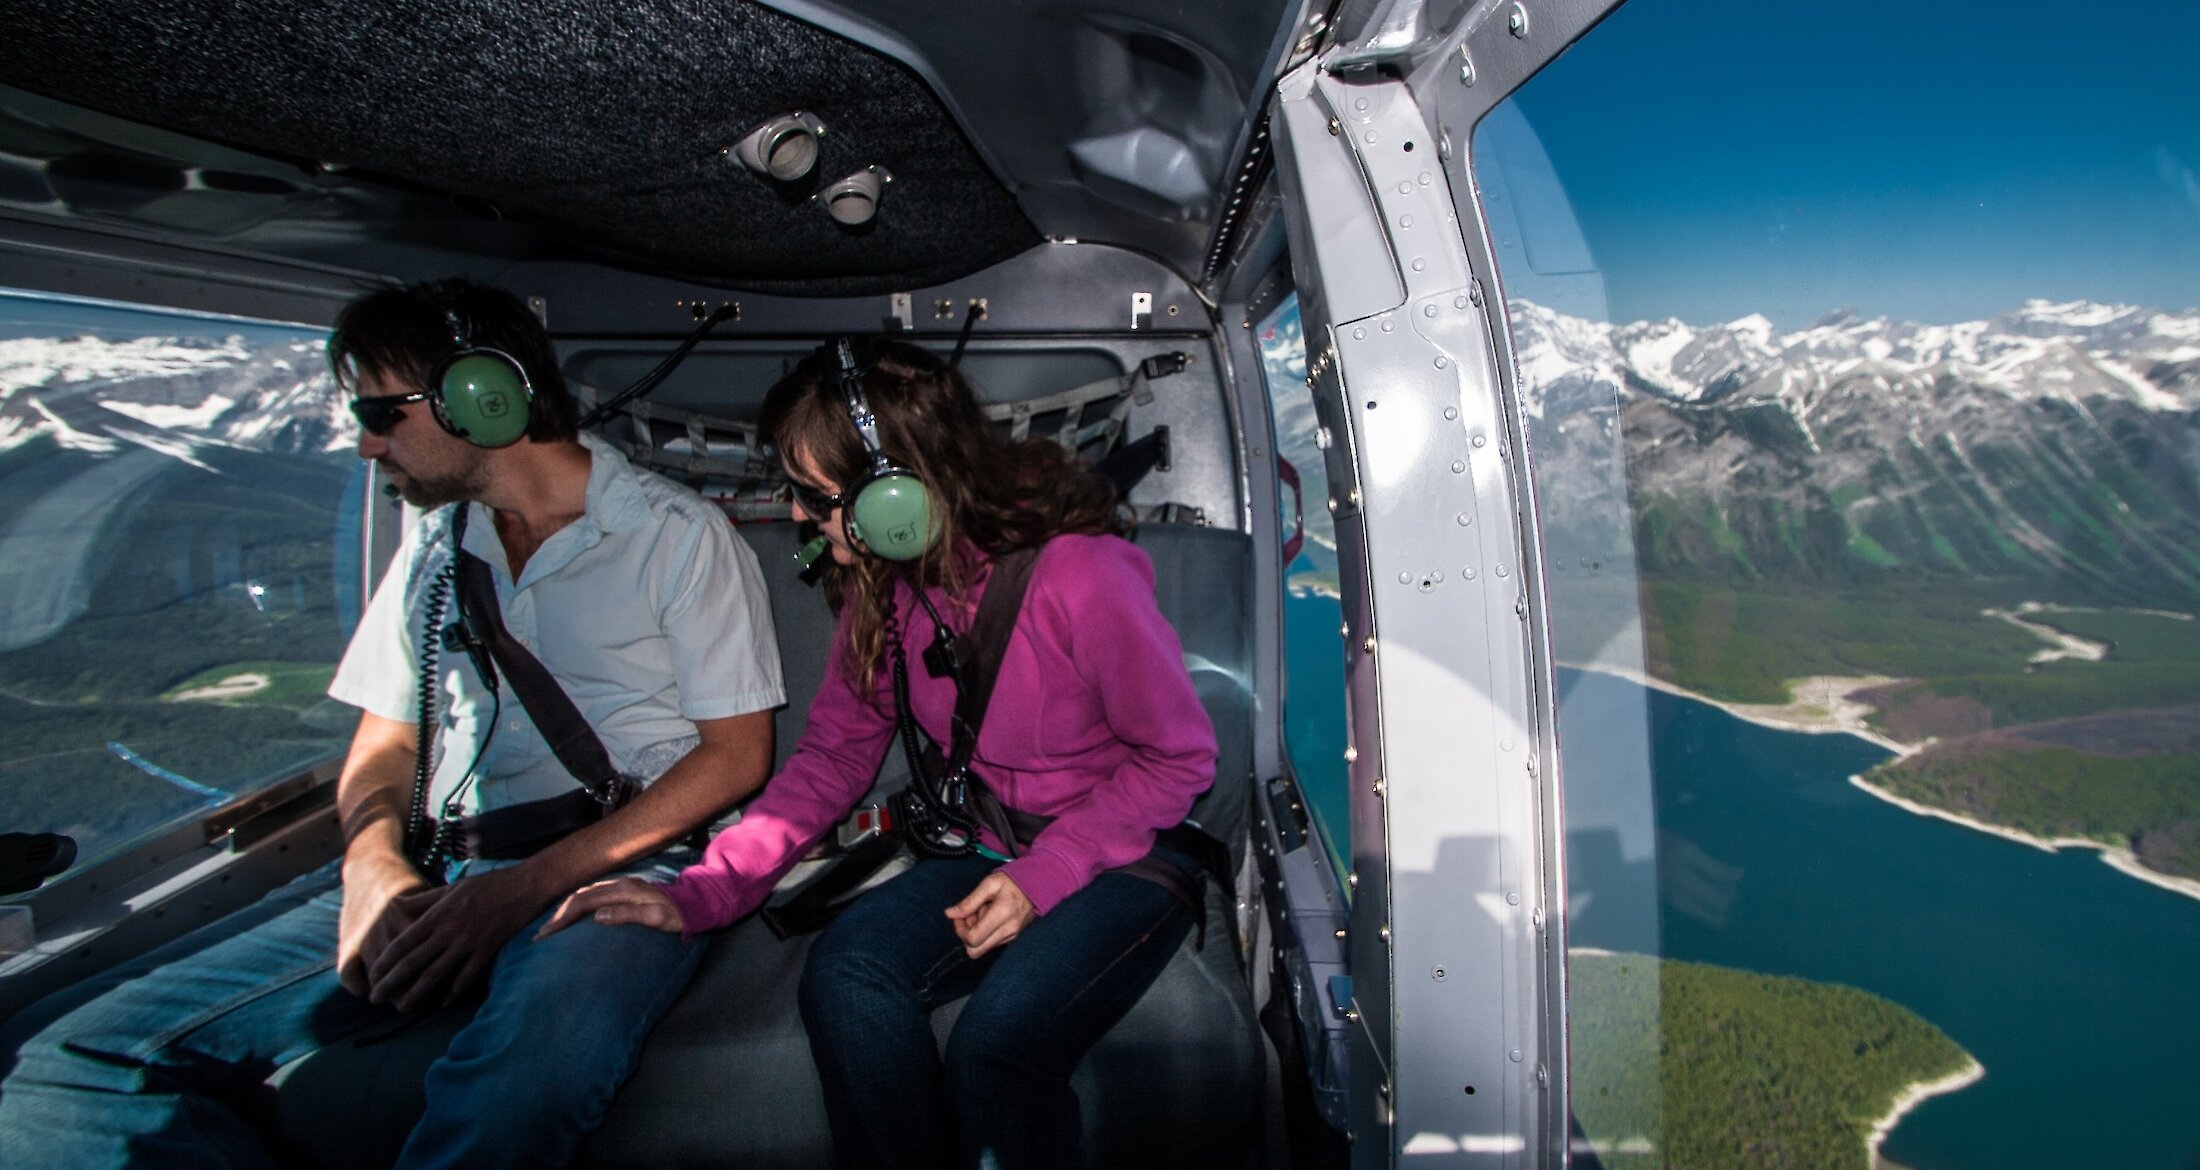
[
  {"x": 623, "y": 788},
  {"x": 866, "y": 822},
  {"x": 463, "y": 840}
]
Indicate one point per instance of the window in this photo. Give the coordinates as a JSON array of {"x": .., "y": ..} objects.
[
  {"x": 1313, "y": 705},
  {"x": 1863, "y": 406},
  {"x": 179, "y": 569}
]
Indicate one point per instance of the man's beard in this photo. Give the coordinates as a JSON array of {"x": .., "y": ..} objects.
[{"x": 424, "y": 492}]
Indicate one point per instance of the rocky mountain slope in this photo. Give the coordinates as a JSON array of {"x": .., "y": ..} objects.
[
  {"x": 169, "y": 394},
  {"x": 2057, "y": 441}
]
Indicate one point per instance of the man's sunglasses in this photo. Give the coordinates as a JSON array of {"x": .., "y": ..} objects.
[
  {"x": 818, "y": 504},
  {"x": 380, "y": 414}
]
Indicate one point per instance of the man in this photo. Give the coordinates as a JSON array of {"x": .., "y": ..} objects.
[{"x": 652, "y": 618}]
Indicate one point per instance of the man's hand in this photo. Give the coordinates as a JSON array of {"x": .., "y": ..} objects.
[
  {"x": 404, "y": 943},
  {"x": 994, "y": 913},
  {"x": 373, "y": 913},
  {"x": 370, "y": 799},
  {"x": 618, "y": 902},
  {"x": 451, "y": 941}
]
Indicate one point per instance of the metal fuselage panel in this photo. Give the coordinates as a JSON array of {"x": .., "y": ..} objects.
[{"x": 1448, "y": 952}]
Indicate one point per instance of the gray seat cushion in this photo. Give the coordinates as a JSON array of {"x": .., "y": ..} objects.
[{"x": 727, "y": 1080}]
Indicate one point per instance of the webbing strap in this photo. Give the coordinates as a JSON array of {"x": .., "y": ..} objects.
[
  {"x": 980, "y": 650},
  {"x": 563, "y": 727},
  {"x": 818, "y": 902},
  {"x": 1185, "y": 839},
  {"x": 522, "y": 830},
  {"x": 984, "y": 647}
]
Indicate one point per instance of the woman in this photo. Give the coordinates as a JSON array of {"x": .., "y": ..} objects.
[{"x": 1093, "y": 723}]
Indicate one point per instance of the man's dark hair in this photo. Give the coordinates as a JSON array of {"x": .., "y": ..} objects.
[{"x": 401, "y": 333}]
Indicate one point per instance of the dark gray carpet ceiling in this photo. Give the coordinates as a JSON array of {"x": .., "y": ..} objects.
[{"x": 595, "y": 128}]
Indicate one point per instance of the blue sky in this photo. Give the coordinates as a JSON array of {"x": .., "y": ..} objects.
[{"x": 1926, "y": 161}]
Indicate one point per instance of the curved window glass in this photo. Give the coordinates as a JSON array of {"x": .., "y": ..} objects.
[
  {"x": 1313, "y": 706},
  {"x": 178, "y": 564},
  {"x": 1863, "y": 406}
]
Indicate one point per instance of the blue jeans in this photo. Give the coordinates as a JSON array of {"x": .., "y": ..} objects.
[
  {"x": 165, "y": 1066},
  {"x": 1001, "y": 1095}
]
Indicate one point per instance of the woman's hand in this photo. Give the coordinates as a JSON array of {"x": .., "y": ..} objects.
[
  {"x": 617, "y": 902},
  {"x": 994, "y": 913}
]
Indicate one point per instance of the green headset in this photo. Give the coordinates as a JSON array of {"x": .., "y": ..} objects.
[
  {"x": 480, "y": 394},
  {"x": 890, "y": 512}
]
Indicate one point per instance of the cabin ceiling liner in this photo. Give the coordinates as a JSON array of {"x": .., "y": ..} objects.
[{"x": 536, "y": 130}]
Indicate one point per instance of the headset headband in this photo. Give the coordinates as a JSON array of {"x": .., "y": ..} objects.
[
  {"x": 851, "y": 370},
  {"x": 889, "y": 510}
]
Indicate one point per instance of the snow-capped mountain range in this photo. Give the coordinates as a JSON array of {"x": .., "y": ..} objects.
[
  {"x": 2058, "y": 440},
  {"x": 2055, "y": 438},
  {"x": 2074, "y": 351},
  {"x": 170, "y": 394}
]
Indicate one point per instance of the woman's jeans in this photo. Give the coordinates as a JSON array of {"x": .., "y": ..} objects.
[
  {"x": 1001, "y": 1096},
  {"x": 164, "y": 1067}
]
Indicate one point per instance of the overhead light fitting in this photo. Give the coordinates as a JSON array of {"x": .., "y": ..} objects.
[
  {"x": 854, "y": 200},
  {"x": 784, "y": 148}
]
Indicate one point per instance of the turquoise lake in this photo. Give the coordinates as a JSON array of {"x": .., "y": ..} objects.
[
  {"x": 2072, "y": 983},
  {"x": 2077, "y": 987}
]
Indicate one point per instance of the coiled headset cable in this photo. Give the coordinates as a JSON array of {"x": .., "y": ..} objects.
[
  {"x": 936, "y": 813},
  {"x": 417, "y": 845},
  {"x": 430, "y": 850}
]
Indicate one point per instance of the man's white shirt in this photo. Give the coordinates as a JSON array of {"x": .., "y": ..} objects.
[{"x": 649, "y": 610}]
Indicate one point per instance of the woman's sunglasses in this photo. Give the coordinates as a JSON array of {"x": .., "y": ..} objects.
[
  {"x": 818, "y": 504},
  {"x": 380, "y": 414}
]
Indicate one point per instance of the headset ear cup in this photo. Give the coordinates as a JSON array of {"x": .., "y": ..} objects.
[
  {"x": 892, "y": 516},
  {"x": 484, "y": 398}
]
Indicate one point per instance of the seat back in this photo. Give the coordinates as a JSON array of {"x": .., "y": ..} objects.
[
  {"x": 804, "y": 623},
  {"x": 1203, "y": 582}
]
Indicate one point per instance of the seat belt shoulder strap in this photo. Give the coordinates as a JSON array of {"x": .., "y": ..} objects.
[
  {"x": 986, "y": 645},
  {"x": 563, "y": 727}
]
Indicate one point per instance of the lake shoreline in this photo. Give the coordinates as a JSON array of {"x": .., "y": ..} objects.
[
  {"x": 2116, "y": 857},
  {"x": 1917, "y": 1094},
  {"x": 1838, "y": 722},
  {"x": 2017, "y": 914},
  {"x": 1840, "y": 718}
]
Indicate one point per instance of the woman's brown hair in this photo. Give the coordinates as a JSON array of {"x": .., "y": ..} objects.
[{"x": 991, "y": 495}]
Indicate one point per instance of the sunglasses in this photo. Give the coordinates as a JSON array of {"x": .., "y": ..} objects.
[
  {"x": 818, "y": 504},
  {"x": 380, "y": 414}
]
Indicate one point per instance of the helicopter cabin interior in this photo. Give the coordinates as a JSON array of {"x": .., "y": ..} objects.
[
  {"x": 1297, "y": 268},
  {"x": 1082, "y": 204}
]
